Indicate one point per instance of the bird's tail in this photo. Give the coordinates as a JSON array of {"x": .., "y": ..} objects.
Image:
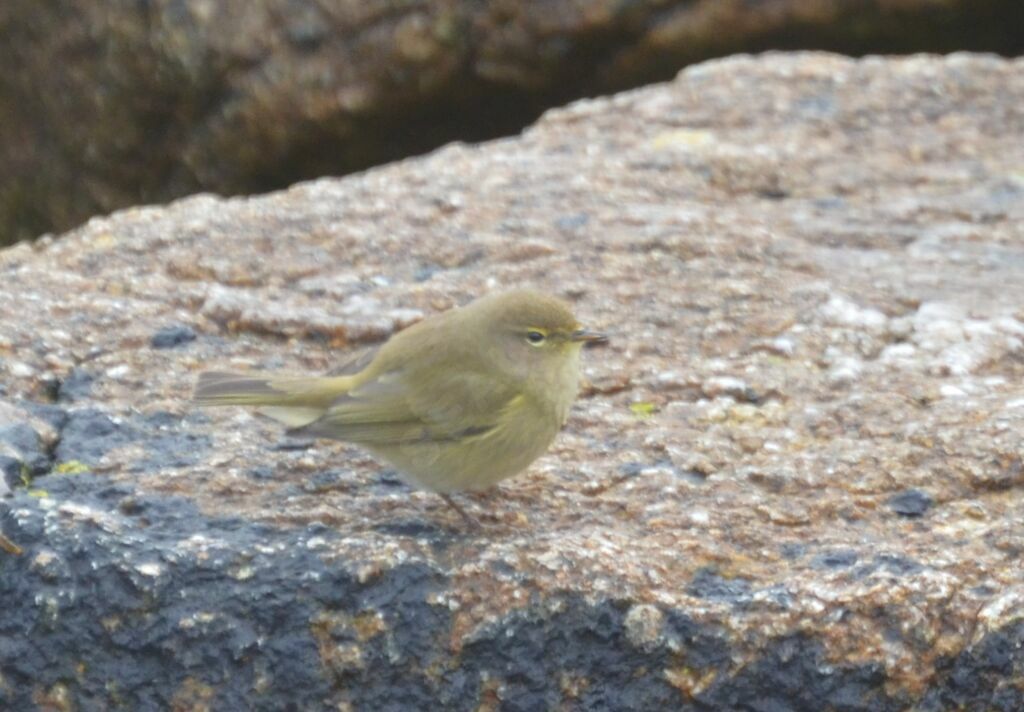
[{"x": 294, "y": 401}]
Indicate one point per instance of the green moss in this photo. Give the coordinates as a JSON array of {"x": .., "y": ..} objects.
[
  {"x": 643, "y": 409},
  {"x": 72, "y": 467}
]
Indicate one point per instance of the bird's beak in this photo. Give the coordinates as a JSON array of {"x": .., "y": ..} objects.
[{"x": 588, "y": 337}]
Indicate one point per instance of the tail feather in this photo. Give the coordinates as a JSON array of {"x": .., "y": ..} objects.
[
  {"x": 214, "y": 388},
  {"x": 217, "y": 388},
  {"x": 292, "y": 416}
]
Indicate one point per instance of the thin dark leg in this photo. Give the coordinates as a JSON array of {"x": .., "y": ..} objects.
[{"x": 451, "y": 503}]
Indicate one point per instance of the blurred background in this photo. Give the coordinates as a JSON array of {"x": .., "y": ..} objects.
[{"x": 111, "y": 103}]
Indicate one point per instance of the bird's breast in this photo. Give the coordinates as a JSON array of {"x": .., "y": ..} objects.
[{"x": 559, "y": 391}]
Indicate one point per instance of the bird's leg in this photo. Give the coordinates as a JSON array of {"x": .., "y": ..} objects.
[
  {"x": 483, "y": 495},
  {"x": 451, "y": 503}
]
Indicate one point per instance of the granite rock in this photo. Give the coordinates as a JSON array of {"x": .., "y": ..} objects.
[
  {"x": 163, "y": 98},
  {"x": 812, "y": 269}
]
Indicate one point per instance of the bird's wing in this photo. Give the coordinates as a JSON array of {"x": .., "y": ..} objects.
[
  {"x": 402, "y": 407},
  {"x": 356, "y": 362}
]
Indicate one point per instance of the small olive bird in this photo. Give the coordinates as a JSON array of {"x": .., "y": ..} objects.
[{"x": 459, "y": 401}]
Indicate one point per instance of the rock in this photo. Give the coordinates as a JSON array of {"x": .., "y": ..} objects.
[
  {"x": 20, "y": 370},
  {"x": 25, "y": 445},
  {"x": 687, "y": 543},
  {"x": 735, "y": 388},
  {"x": 89, "y": 434},
  {"x": 175, "y": 97},
  {"x": 843, "y": 312},
  {"x": 844, "y": 370},
  {"x": 76, "y": 386},
  {"x": 11, "y": 472},
  {"x": 171, "y": 336},
  {"x": 910, "y": 503},
  {"x": 837, "y": 559}
]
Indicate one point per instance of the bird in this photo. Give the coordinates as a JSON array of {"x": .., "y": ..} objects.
[{"x": 457, "y": 402}]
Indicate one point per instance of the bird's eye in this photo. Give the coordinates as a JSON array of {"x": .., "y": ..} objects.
[{"x": 535, "y": 337}]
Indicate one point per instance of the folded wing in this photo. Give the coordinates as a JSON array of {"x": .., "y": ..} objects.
[{"x": 398, "y": 407}]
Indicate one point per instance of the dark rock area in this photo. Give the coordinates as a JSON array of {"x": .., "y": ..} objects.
[
  {"x": 230, "y": 614},
  {"x": 910, "y": 503},
  {"x": 114, "y": 103},
  {"x": 171, "y": 336}
]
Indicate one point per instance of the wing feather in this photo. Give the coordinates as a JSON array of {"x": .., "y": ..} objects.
[{"x": 392, "y": 409}]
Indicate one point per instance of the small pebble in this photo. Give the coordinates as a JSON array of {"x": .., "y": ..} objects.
[
  {"x": 718, "y": 386},
  {"x": 948, "y": 390},
  {"x": 836, "y": 559},
  {"x": 572, "y": 222},
  {"x": 172, "y": 336},
  {"x": 20, "y": 370},
  {"x": 910, "y": 503},
  {"x": 117, "y": 372},
  {"x": 782, "y": 346}
]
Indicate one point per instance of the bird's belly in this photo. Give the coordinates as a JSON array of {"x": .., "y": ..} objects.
[{"x": 473, "y": 463}]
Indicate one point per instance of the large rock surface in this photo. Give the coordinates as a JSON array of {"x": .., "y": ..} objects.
[
  {"x": 109, "y": 103},
  {"x": 794, "y": 481}
]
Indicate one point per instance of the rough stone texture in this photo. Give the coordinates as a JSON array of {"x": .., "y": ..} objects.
[
  {"x": 794, "y": 480},
  {"x": 162, "y": 98}
]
